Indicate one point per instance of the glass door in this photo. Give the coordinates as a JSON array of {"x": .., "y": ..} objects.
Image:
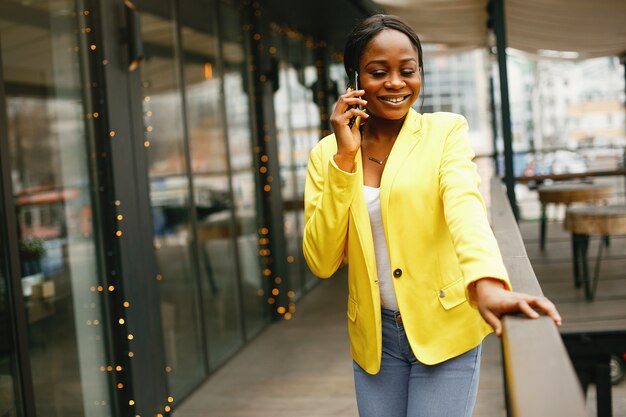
[
  {"x": 43, "y": 56},
  {"x": 202, "y": 187},
  {"x": 298, "y": 130},
  {"x": 210, "y": 177},
  {"x": 246, "y": 194},
  {"x": 171, "y": 196}
]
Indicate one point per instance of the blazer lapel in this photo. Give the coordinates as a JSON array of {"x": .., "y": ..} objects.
[{"x": 405, "y": 142}]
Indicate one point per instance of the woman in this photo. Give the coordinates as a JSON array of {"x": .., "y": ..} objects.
[{"x": 394, "y": 194}]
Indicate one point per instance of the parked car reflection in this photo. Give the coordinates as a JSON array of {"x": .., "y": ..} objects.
[{"x": 557, "y": 162}]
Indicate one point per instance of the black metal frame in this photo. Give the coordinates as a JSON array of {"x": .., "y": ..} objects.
[
  {"x": 122, "y": 156},
  {"x": 496, "y": 8},
  {"x": 264, "y": 71},
  {"x": 24, "y": 394}
]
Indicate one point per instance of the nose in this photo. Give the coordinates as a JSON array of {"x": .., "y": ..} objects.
[{"x": 395, "y": 81}]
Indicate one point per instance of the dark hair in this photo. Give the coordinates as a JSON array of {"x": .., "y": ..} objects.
[{"x": 363, "y": 32}]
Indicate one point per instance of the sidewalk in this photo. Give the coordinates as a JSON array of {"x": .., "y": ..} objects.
[{"x": 303, "y": 368}]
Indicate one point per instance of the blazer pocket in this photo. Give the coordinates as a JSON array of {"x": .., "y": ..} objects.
[
  {"x": 353, "y": 308},
  {"x": 453, "y": 294}
]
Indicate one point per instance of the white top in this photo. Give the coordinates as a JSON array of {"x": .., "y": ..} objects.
[{"x": 383, "y": 265}]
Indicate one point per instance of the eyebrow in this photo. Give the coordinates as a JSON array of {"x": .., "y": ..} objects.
[{"x": 383, "y": 61}]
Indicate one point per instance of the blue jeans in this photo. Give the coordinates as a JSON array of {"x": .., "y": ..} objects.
[{"x": 405, "y": 387}]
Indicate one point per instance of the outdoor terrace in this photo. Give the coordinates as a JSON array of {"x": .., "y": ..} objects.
[{"x": 305, "y": 364}]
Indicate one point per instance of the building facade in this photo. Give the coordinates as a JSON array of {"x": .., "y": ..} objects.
[{"x": 153, "y": 156}]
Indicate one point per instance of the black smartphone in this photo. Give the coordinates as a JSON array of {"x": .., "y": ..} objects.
[{"x": 355, "y": 86}]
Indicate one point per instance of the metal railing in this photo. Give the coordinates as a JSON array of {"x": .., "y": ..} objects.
[{"x": 539, "y": 377}]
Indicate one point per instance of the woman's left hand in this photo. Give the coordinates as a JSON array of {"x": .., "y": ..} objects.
[{"x": 493, "y": 301}]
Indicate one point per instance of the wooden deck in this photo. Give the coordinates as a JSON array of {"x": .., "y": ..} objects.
[
  {"x": 302, "y": 368},
  {"x": 554, "y": 270}
]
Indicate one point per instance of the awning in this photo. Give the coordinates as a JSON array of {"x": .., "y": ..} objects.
[{"x": 552, "y": 28}]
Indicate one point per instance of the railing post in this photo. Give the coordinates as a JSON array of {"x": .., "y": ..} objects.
[{"x": 497, "y": 8}]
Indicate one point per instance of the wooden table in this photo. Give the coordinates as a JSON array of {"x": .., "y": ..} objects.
[
  {"x": 568, "y": 193},
  {"x": 584, "y": 221}
]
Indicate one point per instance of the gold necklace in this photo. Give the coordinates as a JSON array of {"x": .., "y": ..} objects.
[{"x": 378, "y": 161}]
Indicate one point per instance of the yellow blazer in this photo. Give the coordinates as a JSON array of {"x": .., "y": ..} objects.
[{"x": 437, "y": 232}]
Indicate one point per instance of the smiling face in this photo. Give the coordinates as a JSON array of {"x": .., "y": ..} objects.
[{"x": 389, "y": 74}]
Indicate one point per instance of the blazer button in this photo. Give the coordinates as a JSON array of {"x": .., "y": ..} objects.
[
  {"x": 442, "y": 294},
  {"x": 397, "y": 273}
]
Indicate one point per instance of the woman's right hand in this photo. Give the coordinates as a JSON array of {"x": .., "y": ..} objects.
[{"x": 348, "y": 138}]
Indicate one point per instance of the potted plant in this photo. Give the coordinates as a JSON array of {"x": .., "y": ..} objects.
[{"x": 31, "y": 252}]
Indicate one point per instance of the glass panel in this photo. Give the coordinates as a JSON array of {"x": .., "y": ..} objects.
[
  {"x": 284, "y": 113},
  {"x": 307, "y": 133},
  {"x": 245, "y": 192},
  {"x": 298, "y": 130},
  {"x": 210, "y": 166},
  {"x": 169, "y": 193},
  {"x": 49, "y": 139}
]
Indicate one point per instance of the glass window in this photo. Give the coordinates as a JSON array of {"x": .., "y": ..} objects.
[
  {"x": 49, "y": 145},
  {"x": 298, "y": 130},
  {"x": 210, "y": 166},
  {"x": 246, "y": 199},
  {"x": 285, "y": 132},
  {"x": 170, "y": 197}
]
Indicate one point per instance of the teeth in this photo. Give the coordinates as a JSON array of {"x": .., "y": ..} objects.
[{"x": 394, "y": 100}]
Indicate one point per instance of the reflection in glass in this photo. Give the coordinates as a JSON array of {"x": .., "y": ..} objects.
[
  {"x": 245, "y": 193},
  {"x": 210, "y": 165},
  {"x": 169, "y": 194},
  {"x": 298, "y": 130},
  {"x": 49, "y": 142}
]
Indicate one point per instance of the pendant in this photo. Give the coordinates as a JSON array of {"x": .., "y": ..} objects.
[{"x": 378, "y": 161}]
